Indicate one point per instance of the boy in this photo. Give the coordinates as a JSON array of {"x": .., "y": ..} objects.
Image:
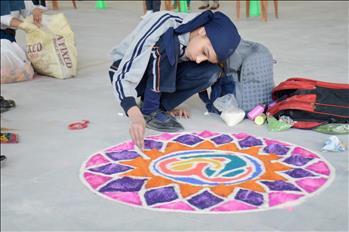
[{"x": 168, "y": 58}]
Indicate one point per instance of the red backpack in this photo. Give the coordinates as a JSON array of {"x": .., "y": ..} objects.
[{"x": 311, "y": 103}]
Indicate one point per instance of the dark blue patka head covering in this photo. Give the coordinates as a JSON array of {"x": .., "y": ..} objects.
[
  {"x": 223, "y": 35},
  {"x": 220, "y": 30}
]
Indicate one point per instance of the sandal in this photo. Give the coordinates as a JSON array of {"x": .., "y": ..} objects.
[
  {"x": 203, "y": 7},
  {"x": 214, "y": 6}
]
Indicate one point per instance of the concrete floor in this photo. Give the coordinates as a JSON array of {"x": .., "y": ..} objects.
[{"x": 40, "y": 185}]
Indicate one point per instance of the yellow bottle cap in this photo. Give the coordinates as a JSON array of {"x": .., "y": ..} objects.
[{"x": 260, "y": 119}]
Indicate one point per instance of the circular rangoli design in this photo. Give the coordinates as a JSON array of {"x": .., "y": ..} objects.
[{"x": 207, "y": 172}]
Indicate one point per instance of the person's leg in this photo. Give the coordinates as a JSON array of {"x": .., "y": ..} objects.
[
  {"x": 149, "y": 4},
  {"x": 43, "y": 3},
  {"x": 192, "y": 78},
  {"x": 188, "y": 5},
  {"x": 168, "y": 5},
  {"x": 205, "y": 5},
  {"x": 148, "y": 8},
  {"x": 155, "y": 118},
  {"x": 156, "y": 5},
  {"x": 144, "y": 6},
  {"x": 151, "y": 98}
]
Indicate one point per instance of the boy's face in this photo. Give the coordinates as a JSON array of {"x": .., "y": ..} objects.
[{"x": 199, "y": 48}]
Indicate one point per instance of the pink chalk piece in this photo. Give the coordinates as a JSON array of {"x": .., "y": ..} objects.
[
  {"x": 95, "y": 180},
  {"x": 206, "y": 134},
  {"x": 176, "y": 205},
  {"x": 319, "y": 167},
  {"x": 278, "y": 198},
  {"x": 233, "y": 205},
  {"x": 127, "y": 197},
  {"x": 271, "y": 141},
  {"x": 241, "y": 135},
  {"x": 304, "y": 153},
  {"x": 311, "y": 184},
  {"x": 96, "y": 159},
  {"x": 121, "y": 147},
  {"x": 163, "y": 137}
]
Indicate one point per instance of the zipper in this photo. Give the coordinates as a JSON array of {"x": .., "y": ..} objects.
[
  {"x": 322, "y": 104},
  {"x": 310, "y": 108}
]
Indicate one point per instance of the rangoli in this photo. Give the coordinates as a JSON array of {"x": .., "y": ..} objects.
[{"x": 207, "y": 172}]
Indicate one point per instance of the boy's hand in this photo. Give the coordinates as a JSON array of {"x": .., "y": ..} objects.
[
  {"x": 27, "y": 27},
  {"x": 37, "y": 16},
  {"x": 180, "y": 112},
  {"x": 137, "y": 126}
]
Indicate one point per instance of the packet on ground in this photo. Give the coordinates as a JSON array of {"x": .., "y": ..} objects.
[
  {"x": 231, "y": 113},
  {"x": 333, "y": 129},
  {"x": 333, "y": 144},
  {"x": 275, "y": 125}
]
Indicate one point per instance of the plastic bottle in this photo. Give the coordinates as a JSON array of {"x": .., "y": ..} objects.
[{"x": 259, "y": 109}]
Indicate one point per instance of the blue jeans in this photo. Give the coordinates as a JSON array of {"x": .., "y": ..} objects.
[{"x": 192, "y": 78}]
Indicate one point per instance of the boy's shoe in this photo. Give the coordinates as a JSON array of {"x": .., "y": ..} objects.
[
  {"x": 161, "y": 121},
  {"x": 203, "y": 7}
]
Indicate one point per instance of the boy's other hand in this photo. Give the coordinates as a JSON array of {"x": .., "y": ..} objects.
[
  {"x": 27, "y": 27},
  {"x": 137, "y": 126},
  {"x": 180, "y": 112}
]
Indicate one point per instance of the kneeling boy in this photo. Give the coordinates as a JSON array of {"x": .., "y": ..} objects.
[{"x": 168, "y": 58}]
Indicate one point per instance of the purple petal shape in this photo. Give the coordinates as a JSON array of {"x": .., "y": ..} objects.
[
  {"x": 250, "y": 141},
  {"x": 122, "y": 155},
  {"x": 125, "y": 184},
  {"x": 222, "y": 139},
  {"x": 299, "y": 173},
  {"x": 276, "y": 149},
  {"x": 188, "y": 139},
  {"x": 159, "y": 195},
  {"x": 110, "y": 169},
  {"x": 151, "y": 144},
  {"x": 204, "y": 200},
  {"x": 297, "y": 160},
  {"x": 280, "y": 185},
  {"x": 250, "y": 197}
]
